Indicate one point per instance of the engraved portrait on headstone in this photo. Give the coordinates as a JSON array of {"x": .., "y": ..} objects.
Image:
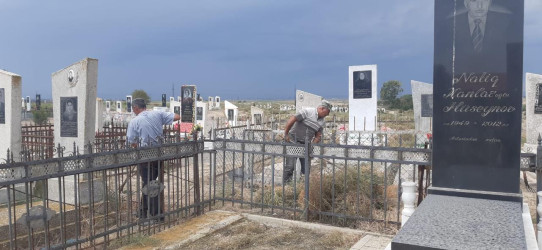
[
  {"x": 177, "y": 110},
  {"x": 199, "y": 113},
  {"x": 187, "y": 103},
  {"x": 163, "y": 100},
  {"x": 38, "y": 101},
  {"x": 362, "y": 87},
  {"x": 68, "y": 119},
  {"x": 2, "y": 106},
  {"x": 258, "y": 119},
  {"x": 108, "y": 105},
  {"x": 230, "y": 114},
  {"x": 538, "y": 99},
  {"x": 118, "y": 106},
  {"x": 480, "y": 31},
  {"x": 427, "y": 105}
]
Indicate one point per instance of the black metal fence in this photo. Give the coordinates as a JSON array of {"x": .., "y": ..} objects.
[{"x": 95, "y": 200}]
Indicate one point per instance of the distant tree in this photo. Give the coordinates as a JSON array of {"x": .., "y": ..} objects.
[
  {"x": 389, "y": 92},
  {"x": 405, "y": 103},
  {"x": 139, "y": 93},
  {"x": 39, "y": 117}
]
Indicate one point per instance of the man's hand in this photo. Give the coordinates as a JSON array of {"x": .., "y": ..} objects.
[{"x": 286, "y": 138}]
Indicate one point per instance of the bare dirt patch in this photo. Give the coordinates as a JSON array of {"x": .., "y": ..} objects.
[{"x": 247, "y": 234}]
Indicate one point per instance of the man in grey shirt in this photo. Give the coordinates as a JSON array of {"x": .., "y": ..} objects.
[
  {"x": 307, "y": 124},
  {"x": 145, "y": 130}
]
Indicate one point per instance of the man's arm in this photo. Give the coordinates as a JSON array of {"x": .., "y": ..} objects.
[
  {"x": 317, "y": 137},
  {"x": 289, "y": 125}
]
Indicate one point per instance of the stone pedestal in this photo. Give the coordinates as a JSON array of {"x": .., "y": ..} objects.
[{"x": 448, "y": 222}]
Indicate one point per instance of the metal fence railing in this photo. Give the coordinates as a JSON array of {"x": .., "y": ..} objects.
[{"x": 94, "y": 200}]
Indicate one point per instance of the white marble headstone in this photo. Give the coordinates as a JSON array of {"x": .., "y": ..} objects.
[
  {"x": 108, "y": 106},
  {"x": 28, "y": 104},
  {"x": 231, "y": 111},
  {"x": 217, "y": 101},
  {"x": 362, "y": 97},
  {"x": 257, "y": 115},
  {"x": 306, "y": 100},
  {"x": 421, "y": 93},
  {"x": 119, "y": 107},
  {"x": 74, "y": 103},
  {"x": 100, "y": 116},
  {"x": 533, "y": 111},
  {"x": 10, "y": 114},
  {"x": 201, "y": 116},
  {"x": 173, "y": 104}
]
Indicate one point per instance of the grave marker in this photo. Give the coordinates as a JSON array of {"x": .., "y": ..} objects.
[
  {"x": 306, "y": 100},
  {"x": 74, "y": 103},
  {"x": 231, "y": 112},
  {"x": 475, "y": 201},
  {"x": 129, "y": 103},
  {"x": 10, "y": 114},
  {"x": 362, "y": 97},
  {"x": 422, "y": 101},
  {"x": 533, "y": 111}
]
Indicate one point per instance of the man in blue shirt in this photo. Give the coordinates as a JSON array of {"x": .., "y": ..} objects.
[{"x": 146, "y": 129}]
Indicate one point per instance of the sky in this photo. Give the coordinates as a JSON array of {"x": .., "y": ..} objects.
[{"x": 236, "y": 49}]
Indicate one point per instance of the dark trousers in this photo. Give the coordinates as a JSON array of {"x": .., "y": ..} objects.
[
  {"x": 149, "y": 172},
  {"x": 289, "y": 167}
]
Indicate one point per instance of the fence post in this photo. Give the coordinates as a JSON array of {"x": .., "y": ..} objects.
[
  {"x": 408, "y": 197},
  {"x": 196, "y": 174},
  {"x": 307, "y": 175}
]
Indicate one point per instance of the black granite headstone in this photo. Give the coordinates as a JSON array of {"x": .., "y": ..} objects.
[
  {"x": 2, "y": 106},
  {"x": 188, "y": 93},
  {"x": 38, "y": 101},
  {"x": 478, "y": 69},
  {"x": 258, "y": 119},
  {"x": 68, "y": 117},
  {"x": 163, "y": 100},
  {"x": 362, "y": 87}
]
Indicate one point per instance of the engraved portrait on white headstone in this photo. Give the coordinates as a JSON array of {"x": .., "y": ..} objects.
[
  {"x": 362, "y": 87},
  {"x": 258, "y": 119},
  {"x": 230, "y": 114},
  {"x": 199, "y": 113},
  {"x": 68, "y": 119},
  {"x": 2, "y": 106},
  {"x": 427, "y": 105},
  {"x": 538, "y": 99}
]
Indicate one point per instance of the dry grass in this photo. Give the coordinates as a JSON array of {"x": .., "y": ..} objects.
[{"x": 252, "y": 235}]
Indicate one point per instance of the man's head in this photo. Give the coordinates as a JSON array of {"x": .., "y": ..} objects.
[
  {"x": 138, "y": 105},
  {"x": 477, "y": 8},
  {"x": 323, "y": 109},
  {"x": 69, "y": 106}
]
